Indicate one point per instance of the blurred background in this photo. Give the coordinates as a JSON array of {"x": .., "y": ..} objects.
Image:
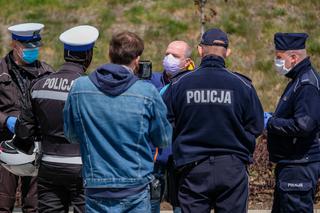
[{"x": 250, "y": 24}]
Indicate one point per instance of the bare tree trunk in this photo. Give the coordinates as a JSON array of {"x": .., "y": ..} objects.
[{"x": 202, "y": 16}]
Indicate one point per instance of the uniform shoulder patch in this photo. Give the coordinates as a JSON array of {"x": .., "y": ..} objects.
[
  {"x": 243, "y": 76},
  {"x": 4, "y": 75},
  {"x": 244, "y": 79}
]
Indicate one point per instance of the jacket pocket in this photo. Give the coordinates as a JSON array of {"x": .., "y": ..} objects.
[
  {"x": 9, "y": 95},
  {"x": 295, "y": 186},
  {"x": 5, "y": 78},
  {"x": 295, "y": 196}
]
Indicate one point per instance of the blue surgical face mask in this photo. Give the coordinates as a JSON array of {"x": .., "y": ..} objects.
[
  {"x": 171, "y": 64},
  {"x": 30, "y": 55}
]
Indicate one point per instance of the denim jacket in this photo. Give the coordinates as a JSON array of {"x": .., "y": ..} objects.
[{"x": 114, "y": 132}]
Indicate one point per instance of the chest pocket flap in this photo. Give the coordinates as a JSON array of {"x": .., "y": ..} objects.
[{"x": 5, "y": 77}]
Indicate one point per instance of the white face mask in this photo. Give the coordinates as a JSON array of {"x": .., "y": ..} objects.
[
  {"x": 171, "y": 64},
  {"x": 280, "y": 66}
]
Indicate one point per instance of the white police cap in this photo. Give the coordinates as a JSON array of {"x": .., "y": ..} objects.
[
  {"x": 27, "y": 32},
  {"x": 80, "y": 38}
]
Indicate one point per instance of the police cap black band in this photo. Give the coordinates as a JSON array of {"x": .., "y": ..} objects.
[{"x": 290, "y": 41}]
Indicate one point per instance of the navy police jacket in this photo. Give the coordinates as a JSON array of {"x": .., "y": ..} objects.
[
  {"x": 214, "y": 112},
  {"x": 293, "y": 130}
]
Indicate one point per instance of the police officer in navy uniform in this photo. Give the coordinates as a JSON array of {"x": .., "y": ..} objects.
[
  {"x": 17, "y": 70},
  {"x": 293, "y": 129},
  {"x": 59, "y": 179},
  {"x": 217, "y": 116}
]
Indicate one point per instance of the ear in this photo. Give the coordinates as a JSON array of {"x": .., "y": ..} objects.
[
  {"x": 136, "y": 61},
  {"x": 188, "y": 61},
  {"x": 14, "y": 44},
  {"x": 228, "y": 53},
  {"x": 200, "y": 51},
  {"x": 294, "y": 59},
  {"x": 16, "y": 47},
  {"x": 135, "y": 64}
]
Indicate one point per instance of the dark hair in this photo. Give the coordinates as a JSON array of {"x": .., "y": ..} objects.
[
  {"x": 83, "y": 58},
  {"x": 124, "y": 47}
]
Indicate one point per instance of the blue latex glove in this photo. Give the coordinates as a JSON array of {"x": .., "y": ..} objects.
[
  {"x": 267, "y": 116},
  {"x": 11, "y": 122}
]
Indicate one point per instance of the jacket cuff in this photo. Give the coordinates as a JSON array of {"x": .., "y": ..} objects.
[{"x": 269, "y": 123}]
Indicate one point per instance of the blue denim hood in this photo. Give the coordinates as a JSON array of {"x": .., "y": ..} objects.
[{"x": 112, "y": 79}]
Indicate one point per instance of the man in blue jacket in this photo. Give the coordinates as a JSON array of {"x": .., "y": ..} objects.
[
  {"x": 177, "y": 60},
  {"x": 114, "y": 116},
  {"x": 293, "y": 129},
  {"x": 217, "y": 116}
]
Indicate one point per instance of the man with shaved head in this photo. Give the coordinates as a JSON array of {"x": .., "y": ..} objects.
[
  {"x": 177, "y": 58},
  {"x": 176, "y": 62}
]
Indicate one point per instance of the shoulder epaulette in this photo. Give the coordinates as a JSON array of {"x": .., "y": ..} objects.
[
  {"x": 243, "y": 76},
  {"x": 308, "y": 78},
  {"x": 244, "y": 79}
]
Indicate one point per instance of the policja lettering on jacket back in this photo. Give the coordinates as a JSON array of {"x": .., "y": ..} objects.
[
  {"x": 206, "y": 96},
  {"x": 58, "y": 84}
]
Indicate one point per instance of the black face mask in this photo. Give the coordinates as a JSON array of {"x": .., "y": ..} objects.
[{"x": 83, "y": 58}]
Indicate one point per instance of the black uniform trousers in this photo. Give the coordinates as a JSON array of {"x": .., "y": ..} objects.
[
  {"x": 295, "y": 187},
  {"x": 8, "y": 187},
  {"x": 58, "y": 189},
  {"x": 218, "y": 182}
]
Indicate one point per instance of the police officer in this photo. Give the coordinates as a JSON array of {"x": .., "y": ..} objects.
[
  {"x": 217, "y": 117},
  {"x": 17, "y": 69},
  {"x": 293, "y": 129},
  {"x": 59, "y": 178}
]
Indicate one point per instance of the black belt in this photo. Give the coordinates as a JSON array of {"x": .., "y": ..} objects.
[{"x": 188, "y": 167}]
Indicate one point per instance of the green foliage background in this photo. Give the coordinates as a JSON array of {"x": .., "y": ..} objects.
[{"x": 251, "y": 25}]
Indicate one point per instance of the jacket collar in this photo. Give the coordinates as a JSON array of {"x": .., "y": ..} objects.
[
  {"x": 74, "y": 67},
  {"x": 299, "y": 69},
  {"x": 164, "y": 78},
  {"x": 213, "y": 61}
]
